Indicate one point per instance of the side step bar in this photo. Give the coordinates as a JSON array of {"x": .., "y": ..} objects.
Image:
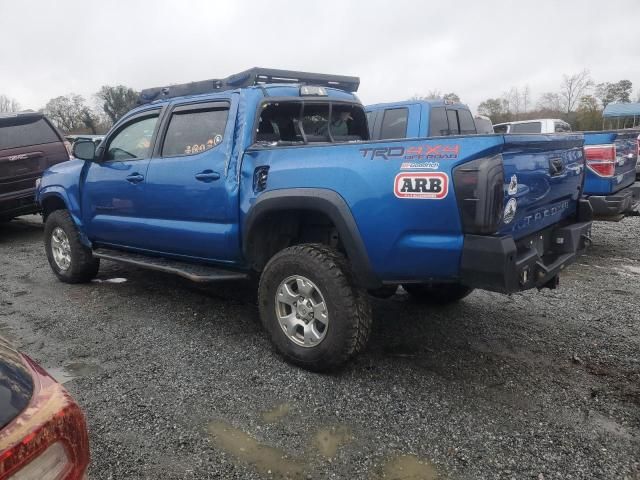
[{"x": 192, "y": 271}]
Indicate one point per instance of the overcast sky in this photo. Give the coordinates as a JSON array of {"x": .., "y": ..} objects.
[{"x": 478, "y": 49}]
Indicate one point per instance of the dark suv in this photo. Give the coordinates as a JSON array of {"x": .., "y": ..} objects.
[{"x": 29, "y": 144}]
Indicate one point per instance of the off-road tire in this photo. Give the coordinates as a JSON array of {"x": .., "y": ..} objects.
[
  {"x": 348, "y": 306},
  {"x": 438, "y": 294},
  {"x": 84, "y": 266}
]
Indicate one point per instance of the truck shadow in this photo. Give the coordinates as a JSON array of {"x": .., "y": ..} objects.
[{"x": 26, "y": 229}]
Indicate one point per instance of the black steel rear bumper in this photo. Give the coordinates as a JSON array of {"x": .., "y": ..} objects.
[
  {"x": 504, "y": 265},
  {"x": 14, "y": 204},
  {"x": 616, "y": 207}
]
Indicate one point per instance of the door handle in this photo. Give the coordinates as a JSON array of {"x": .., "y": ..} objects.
[
  {"x": 556, "y": 166},
  {"x": 135, "y": 178},
  {"x": 207, "y": 176}
]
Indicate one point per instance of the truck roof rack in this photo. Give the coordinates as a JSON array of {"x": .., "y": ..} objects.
[{"x": 248, "y": 78}]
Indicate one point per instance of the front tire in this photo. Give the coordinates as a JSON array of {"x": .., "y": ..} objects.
[
  {"x": 70, "y": 260},
  {"x": 437, "y": 293},
  {"x": 311, "y": 308}
]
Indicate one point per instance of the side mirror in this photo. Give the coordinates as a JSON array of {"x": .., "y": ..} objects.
[{"x": 84, "y": 150}]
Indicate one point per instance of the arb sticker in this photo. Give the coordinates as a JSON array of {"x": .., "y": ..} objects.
[{"x": 422, "y": 185}]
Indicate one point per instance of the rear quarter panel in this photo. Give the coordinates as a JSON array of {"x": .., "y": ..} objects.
[{"x": 406, "y": 238}]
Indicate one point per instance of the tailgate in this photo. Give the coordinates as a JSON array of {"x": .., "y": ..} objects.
[
  {"x": 543, "y": 180},
  {"x": 626, "y": 157},
  {"x": 21, "y": 166}
]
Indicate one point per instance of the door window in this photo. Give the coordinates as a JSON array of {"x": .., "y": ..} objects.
[
  {"x": 438, "y": 125},
  {"x": 133, "y": 141},
  {"x": 394, "y": 123},
  {"x": 194, "y": 131},
  {"x": 467, "y": 126}
]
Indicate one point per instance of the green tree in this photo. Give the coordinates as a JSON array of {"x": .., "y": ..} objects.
[
  {"x": 494, "y": 108},
  {"x": 451, "y": 97},
  {"x": 67, "y": 112},
  {"x": 116, "y": 101},
  {"x": 589, "y": 115}
]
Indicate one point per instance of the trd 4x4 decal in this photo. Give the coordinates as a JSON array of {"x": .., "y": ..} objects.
[
  {"x": 421, "y": 185},
  {"x": 414, "y": 152}
]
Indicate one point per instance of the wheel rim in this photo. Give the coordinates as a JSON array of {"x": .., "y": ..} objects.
[
  {"x": 302, "y": 311},
  {"x": 61, "y": 249}
]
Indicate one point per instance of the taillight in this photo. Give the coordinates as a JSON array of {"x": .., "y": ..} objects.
[
  {"x": 52, "y": 464},
  {"x": 48, "y": 440},
  {"x": 479, "y": 186},
  {"x": 601, "y": 159}
]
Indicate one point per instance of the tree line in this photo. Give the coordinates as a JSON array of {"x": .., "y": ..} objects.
[
  {"x": 578, "y": 100},
  {"x": 72, "y": 113}
]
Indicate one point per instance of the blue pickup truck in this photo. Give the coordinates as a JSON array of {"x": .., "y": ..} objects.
[
  {"x": 612, "y": 156},
  {"x": 610, "y": 184},
  {"x": 271, "y": 174}
]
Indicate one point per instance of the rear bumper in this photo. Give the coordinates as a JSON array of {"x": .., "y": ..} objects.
[
  {"x": 617, "y": 206},
  {"x": 18, "y": 203},
  {"x": 501, "y": 264}
]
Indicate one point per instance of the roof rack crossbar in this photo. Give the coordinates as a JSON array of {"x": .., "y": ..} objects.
[{"x": 248, "y": 78}]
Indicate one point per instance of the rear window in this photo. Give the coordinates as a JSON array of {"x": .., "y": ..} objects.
[
  {"x": 394, "y": 123},
  {"x": 297, "y": 122},
  {"x": 467, "y": 125},
  {"x": 26, "y": 132},
  {"x": 500, "y": 128},
  {"x": 528, "y": 127},
  {"x": 438, "y": 124},
  {"x": 194, "y": 131}
]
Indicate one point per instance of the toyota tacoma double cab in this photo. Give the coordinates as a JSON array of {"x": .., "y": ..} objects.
[{"x": 271, "y": 174}]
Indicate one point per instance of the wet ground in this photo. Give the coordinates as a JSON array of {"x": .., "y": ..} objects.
[{"x": 178, "y": 380}]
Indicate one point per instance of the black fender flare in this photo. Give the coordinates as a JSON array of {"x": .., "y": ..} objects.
[{"x": 324, "y": 201}]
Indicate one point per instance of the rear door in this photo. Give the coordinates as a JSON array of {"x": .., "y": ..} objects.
[
  {"x": 28, "y": 145},
  {"x": 189, "y": 210},
  {"x": 543, "y": 180}
]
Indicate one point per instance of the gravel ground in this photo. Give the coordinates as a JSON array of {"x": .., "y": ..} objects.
[{"x": 178, "y": 380}]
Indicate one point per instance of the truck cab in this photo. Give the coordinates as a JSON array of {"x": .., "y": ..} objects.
[{"x": 419, "y": 118}]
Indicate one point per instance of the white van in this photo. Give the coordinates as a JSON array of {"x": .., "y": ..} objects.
[{"x": 541, "y": 125}]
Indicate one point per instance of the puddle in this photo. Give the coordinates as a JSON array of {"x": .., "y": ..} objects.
[
  {"x": 110, "y": 280},
  {"x": 276, "y": 413},
  {"x": 631, "y": 269},
  {"x": 326, "y": 441},
  {"x": 268, "y": 460},
  {"x": 73, "y": 370},
  {"x": 407, "y": 467}
]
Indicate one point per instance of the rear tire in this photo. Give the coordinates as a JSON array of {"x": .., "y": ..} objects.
[
  {"x": 314, "y": 313},
  {"x": 70, "y": 260},
  {"x": 437, "y": 293}
]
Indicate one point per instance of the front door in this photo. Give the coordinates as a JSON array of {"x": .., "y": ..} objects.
[
  {"x": 190, "y": 209},
  {"x": 113, "y": 192}
]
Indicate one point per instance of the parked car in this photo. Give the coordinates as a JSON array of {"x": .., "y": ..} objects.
[
  {"x": 43, "y": 434},
  {"x": 29, "y": 144},
  {"x": 231, "y": 178},
  {"x": 540, "y": 125}
]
